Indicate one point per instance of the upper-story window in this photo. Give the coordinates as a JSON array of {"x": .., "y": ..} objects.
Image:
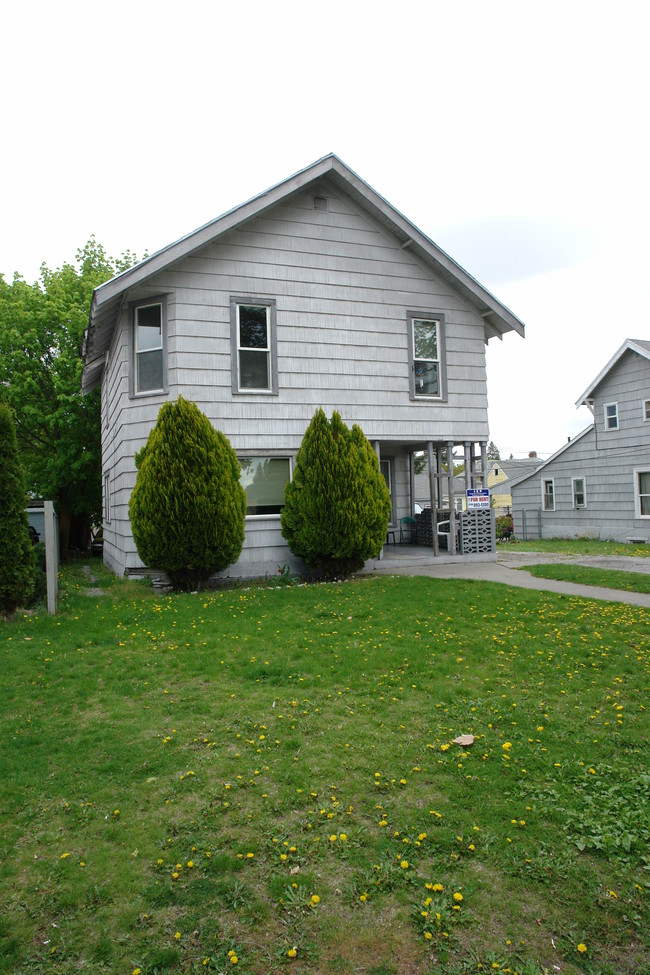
[
  {"x": 426, "y": 340},
  {"x": 610, "y": 412},
  {"x": 149, "y": 372},
  {"x": 253, "y": 334}
]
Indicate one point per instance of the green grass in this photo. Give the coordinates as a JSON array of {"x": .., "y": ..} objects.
[
  {"x": 588, "y": 576},
  {"x": 579, "y": 546},
  {"x": 181, "y": 777}
]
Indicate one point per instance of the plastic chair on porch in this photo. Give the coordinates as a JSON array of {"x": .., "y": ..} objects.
[{"x": 407, "y": 530}]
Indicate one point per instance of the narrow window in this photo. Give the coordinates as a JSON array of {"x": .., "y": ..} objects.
[
  {"x": 253, "y": 329},
  {"x": 642, "y": 493},
  {"x": 426, "y": 357},
  {"x": 579, "y": 493},
  {"x": 148, "y": 348},
  {"x": 646, "y": 409},
  {"x": 107, "y": 498},
  {"x": 548, "y": 494},
  {"x": 264, "y": 480},
  {"x": 611, "y": 416}
]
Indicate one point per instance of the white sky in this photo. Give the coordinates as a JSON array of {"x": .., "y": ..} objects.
[{"x": 514, "y": 134}]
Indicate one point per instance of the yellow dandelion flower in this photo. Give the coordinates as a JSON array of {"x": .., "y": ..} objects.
[
  {"x": 458, "y": 897},
  {"x": 582, "y": 948},
  {"x": 292, "y": 953},
  {"x": 428, "y": 935},
  {"x": 404, "y": 864},
  {"x": 178, "y": 936},
  {"x": 314, "y": 899}
]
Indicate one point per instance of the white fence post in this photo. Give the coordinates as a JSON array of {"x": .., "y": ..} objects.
[{"x": 51, "y": 555}]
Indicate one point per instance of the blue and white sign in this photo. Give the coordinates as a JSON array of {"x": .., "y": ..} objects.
[{"x": 478, "y": 499}]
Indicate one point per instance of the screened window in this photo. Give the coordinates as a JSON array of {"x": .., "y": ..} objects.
[
  {"x": 579, "y": 493},
  {"x": 253, "y": 339},
  {"x": 611, "y": 416},
  {"x": 426, "y": 356},
  {"x": 148, "y": 348},
  {"x": 254, "y": 347},
  {"x": 642, "y": 493},
  {"x": 264, "y": 480},
  {"x": 548, "y": 494}
]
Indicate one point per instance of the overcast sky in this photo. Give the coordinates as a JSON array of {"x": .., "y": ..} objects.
[{"x": 514, "y": 134}]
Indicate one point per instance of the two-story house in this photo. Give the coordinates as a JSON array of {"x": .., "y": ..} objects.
[
  {"x": 315, "y": 293},
  {"x": 598, "y": 484}
]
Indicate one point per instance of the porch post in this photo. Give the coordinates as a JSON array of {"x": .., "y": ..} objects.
[
  {"x": 378, "y": 452},
  {"x": 433, "y": 480},
  {"x": 412, "y": 483},
  {"x": 452, "y": 507},
  {"x": 483, "y": 464},
  {"x": 468, "y": 467},
  {"x": 439, "y": 477}
]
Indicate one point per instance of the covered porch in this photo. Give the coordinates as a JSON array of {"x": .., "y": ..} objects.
[{"x": 438, "y": 523}]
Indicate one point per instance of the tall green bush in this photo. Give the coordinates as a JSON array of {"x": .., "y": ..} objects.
[
  {"x": 187, "y": 508},
  {"x": 16, "y": 557},
  {"x": 337, "y": 506}
]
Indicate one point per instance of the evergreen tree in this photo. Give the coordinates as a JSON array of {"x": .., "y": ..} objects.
[
  {"x": 16, "y": 557},
  {"x": 187, "y": 509},
  {"x": 337, "y": 506}
]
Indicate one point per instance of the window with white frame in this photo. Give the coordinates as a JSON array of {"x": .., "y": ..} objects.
[
  {"x": 426, "y": 354},
  {"x": 148, "y": 348},
  {"x": 579, "y": 492},
  {"x": 646, "y": 409},
  {"x": 264, "y": 480},
  {"x": 253, "y": 330},
  {"x": 642, "y": 492},
  {"x": 610, "y": 411},
  {"x": 548, "y": 494}
]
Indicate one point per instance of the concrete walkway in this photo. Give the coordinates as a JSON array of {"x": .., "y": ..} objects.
[{"x": 509, "y": 569}]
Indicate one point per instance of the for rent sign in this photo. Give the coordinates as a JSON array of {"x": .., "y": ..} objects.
[{"x": 477, "y": 499}]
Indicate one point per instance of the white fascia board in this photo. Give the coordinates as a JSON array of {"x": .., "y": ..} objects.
[{"x": 630, "y": 344}]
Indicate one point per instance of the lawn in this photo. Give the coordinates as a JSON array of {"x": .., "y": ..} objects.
[
  {"x": 589, "y": 576},
  {"x": 266, "y": 780},
  {"x": 579, "y": 546}
]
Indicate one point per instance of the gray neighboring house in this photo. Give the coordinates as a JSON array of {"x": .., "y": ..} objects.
[
  {"x": 316, "y": 293},
  {"x": 598, "y": 484}
]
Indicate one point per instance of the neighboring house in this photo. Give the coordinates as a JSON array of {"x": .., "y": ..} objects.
[
  {"x": 598, "y": 484},
  {"x": 500, "y": 477},
  {"x": 422, "y": 492},
  {"x": 316, "y": 293}
]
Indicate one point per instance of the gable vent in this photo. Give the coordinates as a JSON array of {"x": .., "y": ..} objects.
[{"x": 320, "y": 203}]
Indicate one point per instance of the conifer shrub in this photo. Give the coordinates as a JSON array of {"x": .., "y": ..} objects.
[
  {"x": 187, "y": 508},
  {"x": 16, "y": 556},
  {"x": 337, "y": 507}
]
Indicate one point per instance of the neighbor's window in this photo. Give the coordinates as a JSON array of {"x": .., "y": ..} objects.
[
  {"x": 611, "y": 416},
  {"x": 548, "y": 494},
  {"x": 646, "y": 409},
  {"x": 642, "y": 493},
  {"x": 264, "y": 480},
  {"x": 579, "y": 493},
  {"x": 426, "y": 353},
  {"x": 148, "y": 337},
  {"x": 253, "y": 341}
]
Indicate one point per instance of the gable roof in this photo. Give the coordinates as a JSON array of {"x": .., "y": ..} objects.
[
  {"x": 516, "y": 467},
  {"x": 108, "y": 298},
  {"x": 639, "y": 346},
  {"x": 545, "y": 463}
]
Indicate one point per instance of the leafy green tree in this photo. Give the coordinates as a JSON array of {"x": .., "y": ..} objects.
[
  {"x": 187, "y": 508},
  {"x": 16, "y": 558},
  {"x": 58, "y": 429},
  {"x": 337, "y": 506}
]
